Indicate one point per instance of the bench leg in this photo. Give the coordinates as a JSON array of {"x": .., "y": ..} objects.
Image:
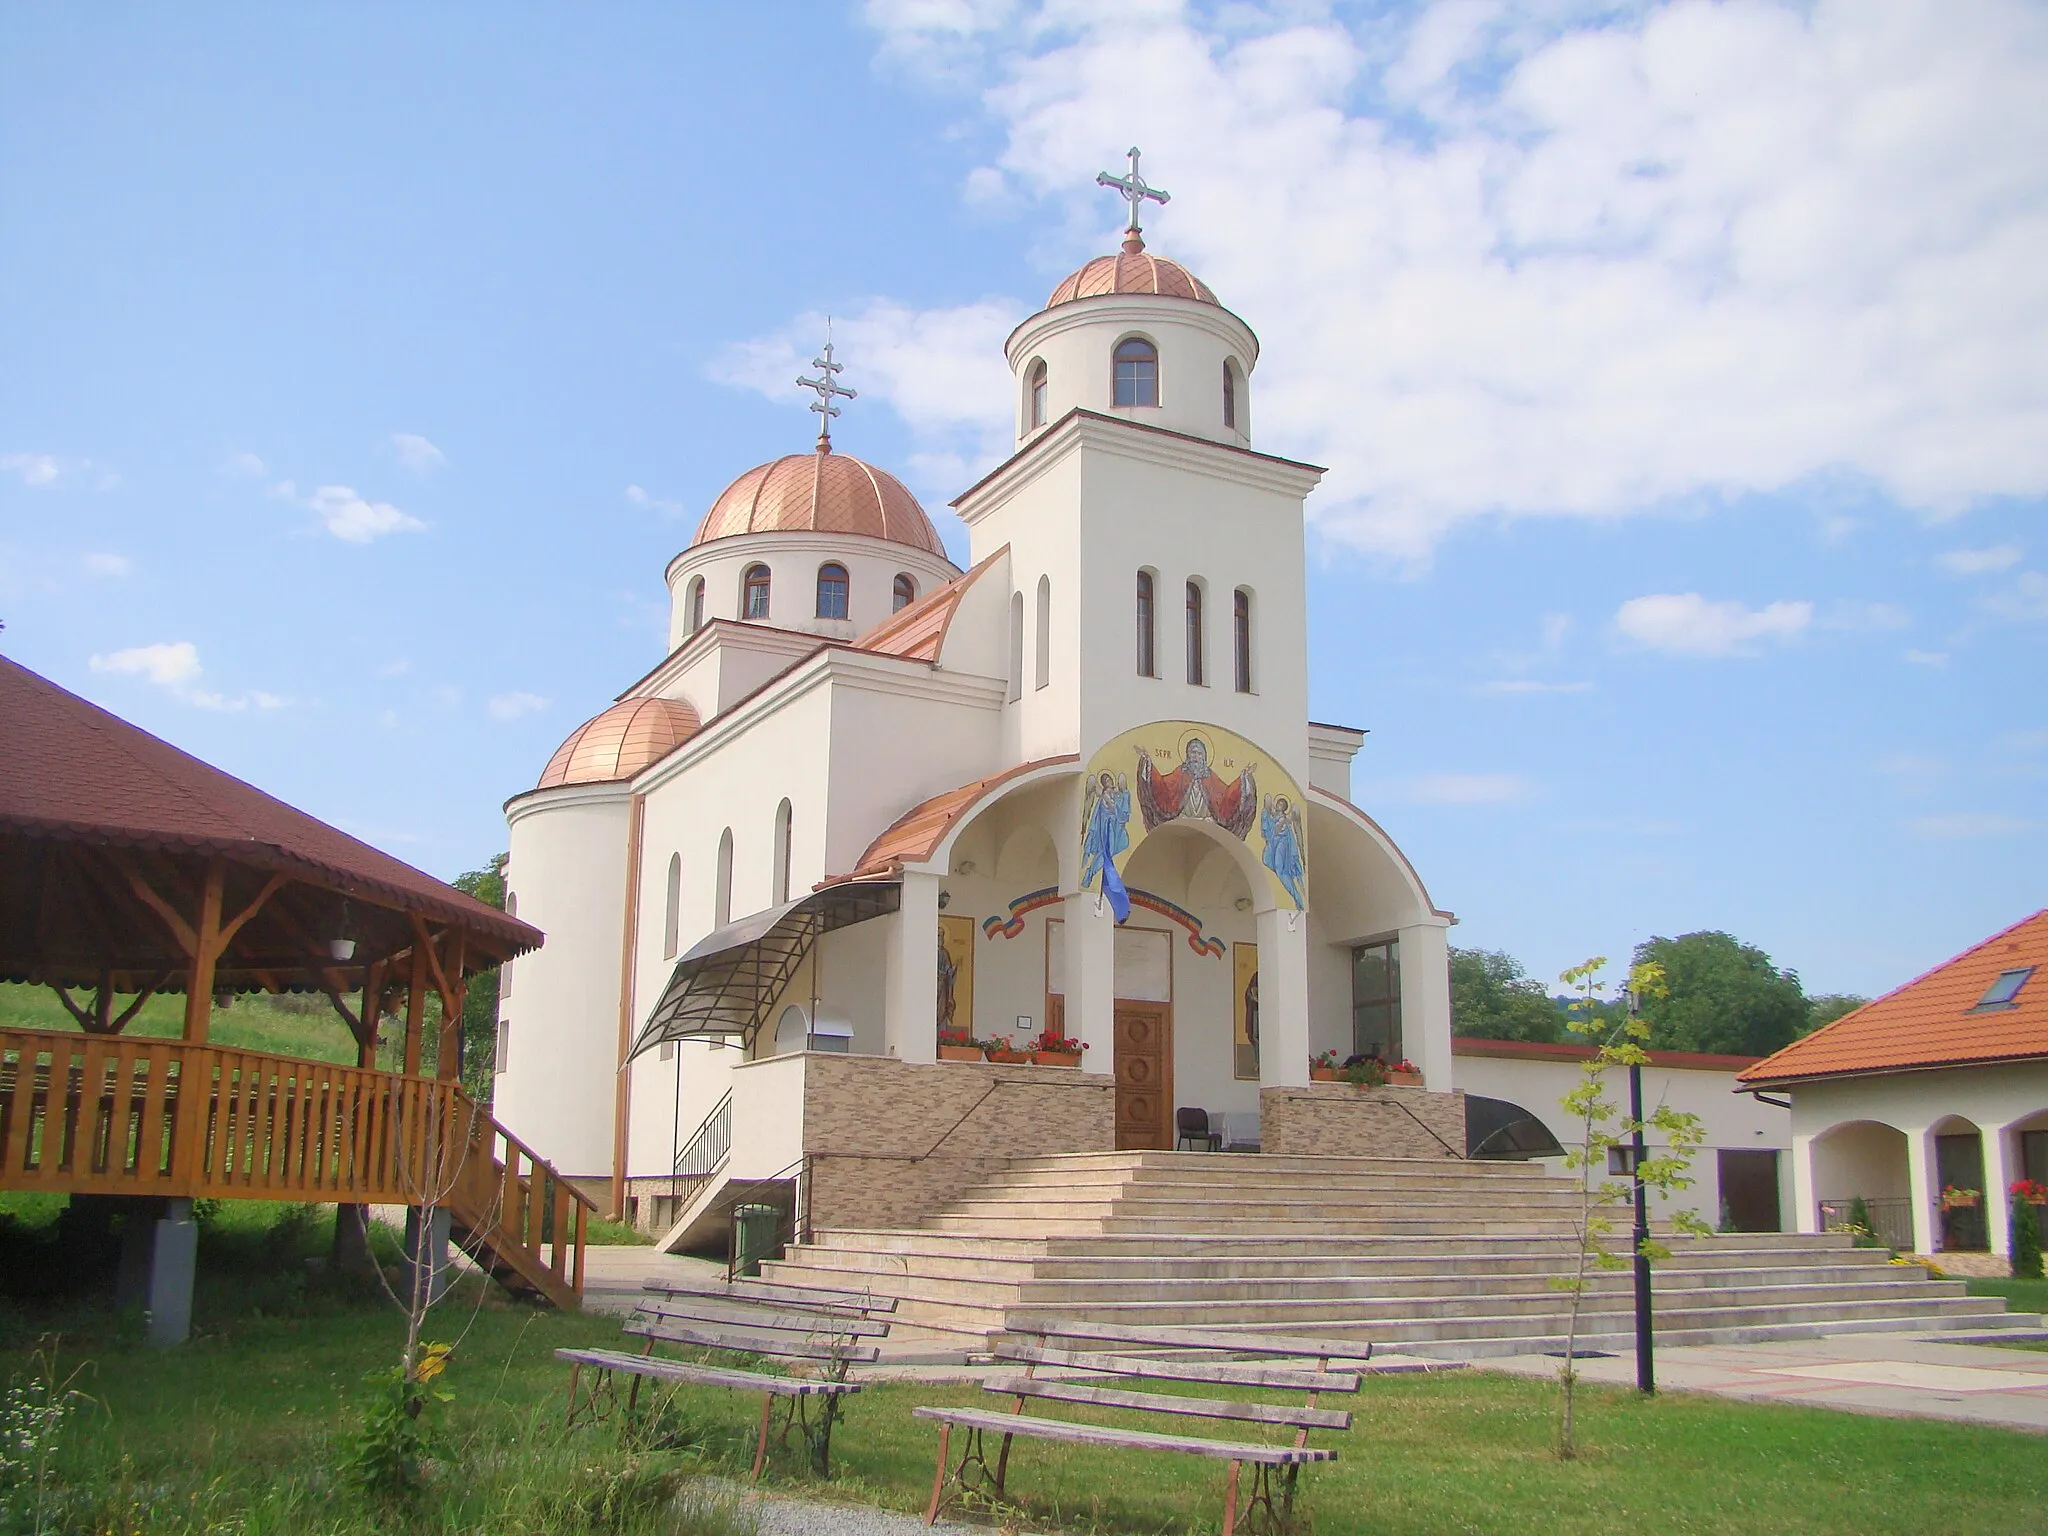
[
  {"x": 1230, "y": 1500},
  {"x": 931, "y": 1511},
  {"x": 761, "y": 1447},
  {"x": 575, "y": 1370},
  {"x": 1003, "y": 1464}
]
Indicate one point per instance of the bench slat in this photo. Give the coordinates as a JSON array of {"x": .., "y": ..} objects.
[
  {"x": 1257, "y": 1344},
  {"x": 720, "y": 1336},
  {"x": 1160, "y": 1402},
  {"x": 1140, "y": 1440},
  {"x": 754, "y": 1314},
  {"x": 766, "y": 1290},
  {"x": 707, "y": 1375},
  {"x": 1203, "y": 1372}
]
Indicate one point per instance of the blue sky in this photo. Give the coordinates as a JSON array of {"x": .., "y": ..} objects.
[{"x": 1682, "y": 371}]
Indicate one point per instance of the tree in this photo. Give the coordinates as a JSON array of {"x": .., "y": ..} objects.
[
  {"x": 1830, "y": 1006},
  {"x": 1491, "y": 999},
  {"x": 480, "y": 1001},
  {"x": 2026, "y": 1239},
  {"x": 1724, "y": 996}
]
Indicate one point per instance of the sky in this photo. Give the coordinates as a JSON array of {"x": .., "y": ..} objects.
[{"x": 1681, "y": 370}]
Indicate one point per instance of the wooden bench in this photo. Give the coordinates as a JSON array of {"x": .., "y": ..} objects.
[
  {"x": 819, "y": 1332},
  {"x": 1109, "y": 1378}
]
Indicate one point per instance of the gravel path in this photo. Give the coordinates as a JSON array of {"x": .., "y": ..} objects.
[{"x": 782, "y": 1516}]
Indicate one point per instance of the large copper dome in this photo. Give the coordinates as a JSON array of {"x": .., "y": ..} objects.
[
  {"x": 620, "y": 742},
  {"x": 820, "y": 492},
  {"x": 1132, "y": 271}
]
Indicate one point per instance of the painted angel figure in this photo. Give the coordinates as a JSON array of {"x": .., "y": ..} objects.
[
  {"x": 1193, "y": 792},
  {"x": 1280, "y": 825},
  {"x": 1105, "y": 824}
]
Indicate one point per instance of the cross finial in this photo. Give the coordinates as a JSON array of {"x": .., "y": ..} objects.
[
  {"x": 1133, "y": 190},
  {"x": 827, "y": 386}
]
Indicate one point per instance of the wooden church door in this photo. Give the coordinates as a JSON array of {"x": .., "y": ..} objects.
[{"x": 1144, "y": 1038}]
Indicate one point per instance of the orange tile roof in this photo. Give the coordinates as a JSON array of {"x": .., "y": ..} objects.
[
  {"x": 917, "y": 632},
  {"x": 1930, "y": 1022},
  {"x": 911, "y": 838}
]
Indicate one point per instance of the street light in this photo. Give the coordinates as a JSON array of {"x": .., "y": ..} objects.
[{"x": 1646, "y": 1365}]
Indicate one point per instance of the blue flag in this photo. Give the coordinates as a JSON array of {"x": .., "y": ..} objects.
[{"x": 1113, "y": 888}]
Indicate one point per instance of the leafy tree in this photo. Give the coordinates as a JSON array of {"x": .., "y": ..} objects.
[
  {"x": 1830, "y": 1006},
  {"x": 1491, "y": 999},
  {"x": 480, "y": 1002},
  {"x": 2026, "y": 1240},
  {"x": 1724, "y": 996}
]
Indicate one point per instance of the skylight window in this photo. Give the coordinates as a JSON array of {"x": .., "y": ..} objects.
[{"x": 2002, "y": 992}]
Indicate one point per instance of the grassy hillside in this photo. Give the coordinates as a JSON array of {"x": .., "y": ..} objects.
[{"x": 307, "y": 1027}]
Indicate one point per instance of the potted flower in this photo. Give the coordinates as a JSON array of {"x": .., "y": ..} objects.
[
  {"x": 1322, "y": 1067},
  {"x": 2032, "y": 1191},
  {"x": 958, "y": 1045},
  {"x": 1057, "y": 1050},
  {"x": 1956, "y": 1198},
  {"x": 1365, "y": 1072},
  {"x": 1001, "y": 1049},
  {"x": 1404, "y": 1074}
]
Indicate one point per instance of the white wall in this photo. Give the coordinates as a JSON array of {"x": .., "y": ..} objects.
[{"x": 793, "y": 559}]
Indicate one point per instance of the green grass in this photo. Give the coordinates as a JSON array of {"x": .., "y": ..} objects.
[
  {"x": 306, "y": 1027},
  {"x": 239, "y": 1431}
]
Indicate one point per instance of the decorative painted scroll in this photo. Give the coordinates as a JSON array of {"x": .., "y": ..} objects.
[
  {"x": 1181, "y": 770},
  {"x": 1012, "y": 925}
]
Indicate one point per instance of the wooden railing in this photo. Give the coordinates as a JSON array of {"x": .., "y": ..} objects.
[{"x": 121, "y": 1115}]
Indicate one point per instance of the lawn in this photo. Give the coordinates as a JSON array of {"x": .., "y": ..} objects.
[
  {"x": 302, "y": 1026},
  {"x": 240, "y": 1431}
]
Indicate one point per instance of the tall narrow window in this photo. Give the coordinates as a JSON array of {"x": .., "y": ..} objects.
[
  {"x": 1034, "y": 412},
  {"x": 1376, "y": 1000},
  {"x": 1229, "y": 394},
  {"x": 754, "y": 593},
  {"x": 1137, "y": 372},
  {"x": 1043, "y": 638},
  {"x": 1016, "y": 646},
  {"x": 781, "y": 882},
  {"x": 1241, "y": 637},
  {"x": 906, "y": 592},
  {"x": 672, "y": 910},
  {"x": 1195, "y": 637},
  {"x": 721, "y": 898},
  {"x": 696, "y": 605},
  {"x": 1146, "y": 632},
  {"x": 832, "y": 587},
  {"x": 504, "y": 1051}
]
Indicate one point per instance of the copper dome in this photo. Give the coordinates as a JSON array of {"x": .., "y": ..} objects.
[
  {"x": 1132, "y": 271},
  {"x": 620, "y": 742},
  {"x": 820, "y": 492}
]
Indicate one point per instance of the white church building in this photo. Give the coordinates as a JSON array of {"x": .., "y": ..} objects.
[{"x": 871, "y": 806}]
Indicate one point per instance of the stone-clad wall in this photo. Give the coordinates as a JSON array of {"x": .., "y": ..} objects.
[
  {"x": 1338, "y": 1120},
  {"x": 876, "y": 1130}
]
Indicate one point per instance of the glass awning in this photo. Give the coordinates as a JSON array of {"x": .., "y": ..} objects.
[{"x": 724, "y": 988}]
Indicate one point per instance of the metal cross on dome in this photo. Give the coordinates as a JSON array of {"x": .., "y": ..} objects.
[
  {"x": 827, "y": 386},
  {"x": 1133, "y": 190}
]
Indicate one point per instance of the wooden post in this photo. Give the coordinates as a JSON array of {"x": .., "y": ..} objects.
[
  {"x": 415, "y": 1000},
  {"x": 205, "y": 952},
  {"x": 455, "y": 987}
]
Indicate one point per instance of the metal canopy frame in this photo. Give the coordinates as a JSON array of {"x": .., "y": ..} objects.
[{"x": 725, "y": 986}]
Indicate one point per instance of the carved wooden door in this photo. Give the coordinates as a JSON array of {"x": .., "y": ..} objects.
[{"x": 1144, "y": 1033}]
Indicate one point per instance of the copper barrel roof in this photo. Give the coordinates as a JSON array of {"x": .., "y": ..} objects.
[
  {"x": 620, "y": 742},
  {"x": 1132, "y": 272},
  {"x": 821, "y": 492}
]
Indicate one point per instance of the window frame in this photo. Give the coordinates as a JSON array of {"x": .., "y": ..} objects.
[
  {"x": 1241, "y": 638},
  {"x": 1042, "y": 640},
  {"x": 694, "y": 605},
  {"x": 843, "y": 582},
  {"x": 1396, "y": 1047},
  {"x": 1197, "y": 633},
  {"x": 1035, "y": 395},
  {"x": 1145, "y": 606},
  {"x": 756, "y": 577},
  {"x": 903, "y": 592},
  {"x": 1229, "y": 394},
  {"x": 1144, "y": 376}
]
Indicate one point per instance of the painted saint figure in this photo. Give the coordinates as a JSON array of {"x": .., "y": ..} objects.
[
  {"x": 1280, "y": 825},
  {"x": 1193, "y": 792},
  {"x": 1105, "y": 825}
]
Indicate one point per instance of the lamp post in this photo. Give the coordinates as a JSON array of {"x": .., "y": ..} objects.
[{"x": 1646, "y": 1365}]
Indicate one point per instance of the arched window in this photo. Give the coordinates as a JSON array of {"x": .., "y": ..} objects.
[
  {"x": 906, "y": 592},
  {"x": 1016, "y": 646},
  {"x": 832, "y": 588},
  {"x": 1229, "y": 393},
  {"x": 1034, "y": 393},
  {"x": 1044, "y": 635},
  {"x": 1137, "y": 372},
  {"x": 721, "y": 899},
  {"x": 781, "y": 881},
  {"x": 1147, "y": 628},
  {"x": 1241, "y": 637},
  {"x": 672, "y": 911},
  {"x": 505, "y": 970},
  {"x": 696, "y": 604},
  {"x": 754, "y": 593},
  {"x": 1196, "y": 672}
]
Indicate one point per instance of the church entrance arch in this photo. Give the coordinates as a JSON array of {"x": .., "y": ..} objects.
[{"x": 1143, "y": 1017}]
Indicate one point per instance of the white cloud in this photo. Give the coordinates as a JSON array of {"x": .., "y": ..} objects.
[
  {"x": 416, "y": 453},
  {"x": 353, "y": 518},
  {"x": 1687, "y": 624},
  {"x": 640, "y": 498},
  {"x": 1514, "y": 685},
  {"x": 510, "y": 706},
  {"x": 2025, "y": 600},
  {"x": 1981, "y": 562},
  {"x": 1578, "y": 261},
  {"x": 1967, "y": 824},
  {"x": 243, "y": 466},
  {"x": 168, "y": 664},
  {"x": 46, "y": 471},
  {"x": 104, "y": 564},
  {"x": 34, "y": 469},
  {"x": 1927, "y": 658},
  {"x": 1467, "y": 789}
]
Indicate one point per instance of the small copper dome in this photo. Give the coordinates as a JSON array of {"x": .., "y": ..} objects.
[
  {"x": 620, "y": 742},
  {"x": 820, "y": 492},
  {"x": 1132, "y": 271}
]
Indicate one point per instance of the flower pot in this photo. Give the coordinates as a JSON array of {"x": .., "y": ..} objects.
[
  {"x": 959, "y": 1053},
  {"x": 1324, "y": 1075},
  {"x": 1404, "y": 1079},
  {"x": 1960, "y": 1203},
  {"x": 1010, "y": 1058},
  {"x": 1057, "y": 1058}
]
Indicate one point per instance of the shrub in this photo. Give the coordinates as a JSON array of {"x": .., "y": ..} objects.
[{"x": 2026, "y": 1240}]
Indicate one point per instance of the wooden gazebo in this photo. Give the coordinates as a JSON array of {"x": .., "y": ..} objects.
[{"x": 129, "y": 868}]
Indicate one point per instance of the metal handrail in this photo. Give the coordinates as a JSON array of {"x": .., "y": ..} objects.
[{"x": 709, "y": 1145}]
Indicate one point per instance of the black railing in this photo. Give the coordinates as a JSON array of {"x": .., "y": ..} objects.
[{"x": 709, "y": 1145}]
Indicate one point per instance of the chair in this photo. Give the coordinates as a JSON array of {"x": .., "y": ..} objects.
[{"x": 1192, "y": 1125}]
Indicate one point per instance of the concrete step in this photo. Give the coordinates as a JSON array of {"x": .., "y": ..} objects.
[{"x": 1267, "y": 1164}]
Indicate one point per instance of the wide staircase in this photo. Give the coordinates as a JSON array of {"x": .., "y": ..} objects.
[{"x": 1454, "y": 1259}]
